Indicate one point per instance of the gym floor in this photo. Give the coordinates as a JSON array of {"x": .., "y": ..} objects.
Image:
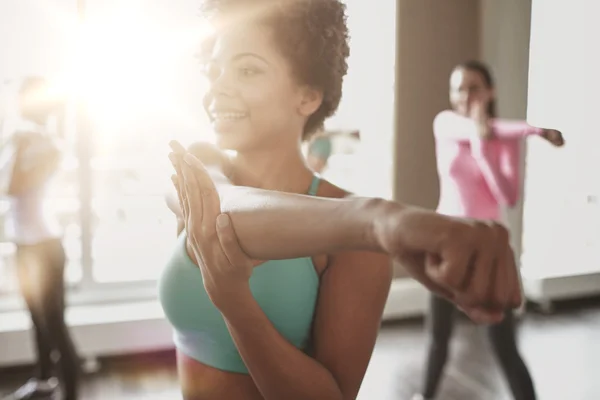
[{"x": 562, "y": 349}]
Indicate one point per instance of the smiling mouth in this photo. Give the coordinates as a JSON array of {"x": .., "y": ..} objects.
[{"x": 228, "y": 116}]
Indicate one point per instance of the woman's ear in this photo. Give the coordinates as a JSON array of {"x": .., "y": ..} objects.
[{"x": 310, "y": 101}]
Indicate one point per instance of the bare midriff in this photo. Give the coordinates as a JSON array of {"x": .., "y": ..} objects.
[{"x": 202, "y": 382}]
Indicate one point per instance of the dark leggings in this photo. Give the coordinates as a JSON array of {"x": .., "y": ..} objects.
[
  {"x": 502, "y": 338},
  {"x": 41, "y": 279}
]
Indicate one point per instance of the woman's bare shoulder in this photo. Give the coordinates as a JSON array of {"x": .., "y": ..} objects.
[{"x": 330, "y": 190}]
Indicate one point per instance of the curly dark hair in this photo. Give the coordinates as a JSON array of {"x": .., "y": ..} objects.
[{"x": 311, "y": 34}]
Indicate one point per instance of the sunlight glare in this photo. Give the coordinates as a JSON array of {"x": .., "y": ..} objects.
[{"x": 124, "y": 66}]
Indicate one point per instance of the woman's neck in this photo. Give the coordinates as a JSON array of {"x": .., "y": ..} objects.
[{"x": 284, "y": 170}]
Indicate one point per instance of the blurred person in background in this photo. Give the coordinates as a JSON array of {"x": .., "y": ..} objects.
[
  {"x": 478, "y": 166},
  {"x": 319, "y": 151},
  {"x": 31, "y": 157}
]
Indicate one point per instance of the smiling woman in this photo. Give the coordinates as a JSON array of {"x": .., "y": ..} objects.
[
  {"x": 261, "y": 68},
  {"x": 303, "y": 324},
  {"x": 267, "y": 93}
]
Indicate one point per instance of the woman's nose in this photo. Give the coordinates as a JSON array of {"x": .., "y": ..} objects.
[{"x": 221, "y": 84}]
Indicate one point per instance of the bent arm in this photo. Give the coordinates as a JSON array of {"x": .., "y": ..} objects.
[
  {"x": 281, "y": 371},
  {"x": 450, "y": 125},
  {"x": 500, "y": 172}
]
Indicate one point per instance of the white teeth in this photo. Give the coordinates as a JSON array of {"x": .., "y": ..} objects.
[{"x": 229, "y": 115}]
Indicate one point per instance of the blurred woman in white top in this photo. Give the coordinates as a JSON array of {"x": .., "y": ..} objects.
[{"x": 31, "y": 157}]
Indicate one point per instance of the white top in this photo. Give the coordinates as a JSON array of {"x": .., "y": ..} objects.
[{"x": 28, "y": 220}]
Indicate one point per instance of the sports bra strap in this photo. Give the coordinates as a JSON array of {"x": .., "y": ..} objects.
[{"x": 314, "y": 185}]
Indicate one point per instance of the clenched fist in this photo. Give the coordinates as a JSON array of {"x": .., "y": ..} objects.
[{"x": 467, "y": 261}]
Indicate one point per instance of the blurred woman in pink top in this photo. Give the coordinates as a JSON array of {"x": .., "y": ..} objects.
[{"x": 478, "y": 166}]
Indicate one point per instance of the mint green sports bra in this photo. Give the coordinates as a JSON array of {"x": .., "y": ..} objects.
[{"x": 286, "y": 290}]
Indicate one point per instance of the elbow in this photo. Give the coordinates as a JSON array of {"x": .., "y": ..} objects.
[
  {"x": 511, "y": 202},
  {"x": 208, "y": 154},
  {"x": 338, "y": 394},
  {"x": 511, "y": 199},
  {"x": 514, "y": 197}
]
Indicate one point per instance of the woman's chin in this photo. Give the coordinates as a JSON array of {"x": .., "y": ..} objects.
[
  {"x": 232, "y": 141},
  {"x": 240, "y": 139}
]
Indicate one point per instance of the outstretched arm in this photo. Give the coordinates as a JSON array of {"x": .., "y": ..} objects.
[
  {"x": 450, "y": 125},
  {"x": 275, "y": 225}
]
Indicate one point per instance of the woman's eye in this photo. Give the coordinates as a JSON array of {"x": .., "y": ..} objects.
[{"x": 248, "y": 71}]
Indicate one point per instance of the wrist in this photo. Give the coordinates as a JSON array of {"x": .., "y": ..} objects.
[
  {"x": 376, "y": 214},
  {"x": 233, "y": 301},
  {"x": 389, "y": 227},
  {"x": 239, "y": 307},
  {"x": 411, "y": 229}
]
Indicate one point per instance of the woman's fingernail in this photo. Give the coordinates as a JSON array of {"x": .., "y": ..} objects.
[{"x": 222, "y": 220}]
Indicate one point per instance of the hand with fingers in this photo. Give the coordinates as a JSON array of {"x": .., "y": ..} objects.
[{"x": 211, "y": 239}]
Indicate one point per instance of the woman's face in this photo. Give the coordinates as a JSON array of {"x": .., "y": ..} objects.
[
  {"x": 466, "y": 88},
  {"x": 253, "y": 99}
]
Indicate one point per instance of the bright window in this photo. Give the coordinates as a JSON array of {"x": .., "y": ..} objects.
[{"x": 132, "y": 65}]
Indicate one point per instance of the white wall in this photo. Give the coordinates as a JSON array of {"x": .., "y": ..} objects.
[
  {"x": 552, "y": 79},
  {"x": 505, "y": 47},
  {"x": 562, "y": 224},
  {"x": 371, "y": 75}
]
